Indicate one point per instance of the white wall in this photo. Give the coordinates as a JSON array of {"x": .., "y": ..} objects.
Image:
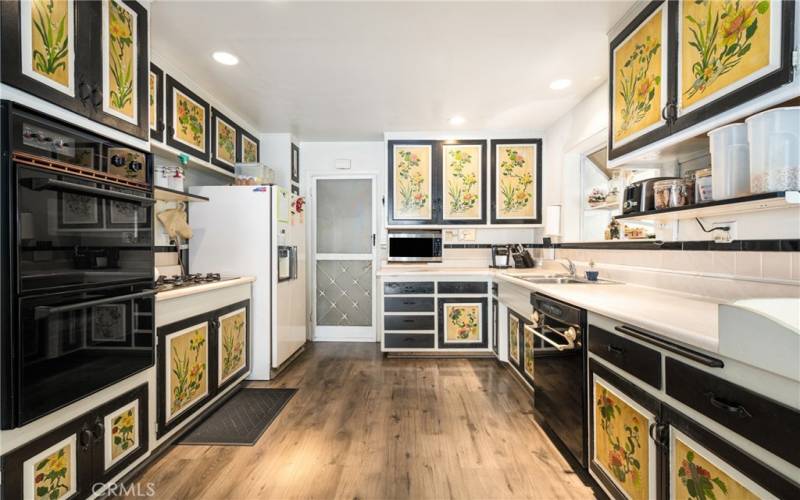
[
  {"x": 580, "y": 129},
  {"x": 276, "y": 153}
]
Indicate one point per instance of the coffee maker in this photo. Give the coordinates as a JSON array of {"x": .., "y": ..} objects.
[{"x": 501, "y": 255}]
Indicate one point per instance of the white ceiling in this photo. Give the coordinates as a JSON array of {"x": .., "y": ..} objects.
[{"x": 352, "y": 70}]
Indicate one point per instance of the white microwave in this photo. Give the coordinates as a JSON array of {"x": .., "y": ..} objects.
[{"x": 415, "y": 246}]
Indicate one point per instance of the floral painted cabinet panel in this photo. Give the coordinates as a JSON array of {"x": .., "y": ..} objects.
[
  {"x": 621, "y": 448},
  {"x": 232, "y": 339},
  {"x": 464, "y": 182},
  {"x": 463, "y": 323},
  {"x": 411, "y": 183},
  {"x": 516, "y": 181}
]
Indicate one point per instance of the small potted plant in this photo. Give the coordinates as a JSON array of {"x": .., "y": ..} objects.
[{"x": 592, "y": 273}]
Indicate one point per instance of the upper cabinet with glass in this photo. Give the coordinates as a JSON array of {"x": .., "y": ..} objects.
[
  {"x": 680, "y": 63},
  {"x": 90, "y": 57}
]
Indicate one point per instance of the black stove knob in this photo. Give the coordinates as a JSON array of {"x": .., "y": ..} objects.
[
  {"x": 135, "y": 166},
  {"x": 117, "y": 161}
]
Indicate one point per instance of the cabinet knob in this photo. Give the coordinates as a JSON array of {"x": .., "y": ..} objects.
[
  {"x": 84, "y": 91},
  {"x": 85, "y": 438},
  {"x": 97, "y": 430},
  {"x": 97, "y": 96}
]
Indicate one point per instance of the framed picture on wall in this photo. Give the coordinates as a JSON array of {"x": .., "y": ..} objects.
[
  {"x": 751, "y": 44},
  {"x": 156, "y": 103},
  {"x": 189, "y": 119},
  {"x": 295, "y": 163},
  {"x": 248, "y": 147},
  {"x": 223, "y": 142},
  {"x": 463, "y": 182},
  {"x": 516, "y": 181}
]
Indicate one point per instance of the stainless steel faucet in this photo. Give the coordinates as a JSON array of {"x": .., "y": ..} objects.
[{"x": 570, "y": 267}]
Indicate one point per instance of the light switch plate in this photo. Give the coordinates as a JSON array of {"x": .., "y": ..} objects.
[{"x": 466, "y": 234}]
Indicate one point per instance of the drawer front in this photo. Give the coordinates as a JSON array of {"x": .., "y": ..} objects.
[
  {"x": 408, "y": 340},
  {"x": 462, "y": 287},
  {"x": 408, "y": 304},
  {"x": 765, "y": 422},
  {"x": 410, "y": 322},
  {"x": 407, "y": 287},
  {"x": 636, "y": 359}
]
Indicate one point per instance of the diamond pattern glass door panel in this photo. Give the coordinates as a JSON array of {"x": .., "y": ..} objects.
[{"x": 344, "y": 293}]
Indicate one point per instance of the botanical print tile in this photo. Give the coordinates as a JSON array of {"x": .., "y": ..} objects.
[
  {"x": 232, "y": 343},
  {"x": 463, "y": 323},
  {"x": 133, "y": 167},
  {"x": 187, "y": 368},
  {"x": 109, "y": 323},
  {"x": 462, "y": 181},
  {"x": 226, "y": 142},
  {"x": 516, "y": 180},
  {"x": 152, "y": 103},
  {"x": 513, "y": 338},
  {"x": 695, "y": 473},
  {"x": 121, "y": 433},
  {"x": 249, "y": 150},
  {"x": 621, "y": 445},
  {"x": 189, "y": 121},
  {"x": 638, "y": 79},
  {"x": 48, "y": 44},
  {"x": 412, "y": 182},
  {"x": 119, "y": 60},
  {"x": 51, "y": 474},
  {"x": 721, "y": 44},
  {"x": 527, "y": 351}
]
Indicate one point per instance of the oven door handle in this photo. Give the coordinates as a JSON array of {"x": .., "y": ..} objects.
[
  {"x": 59, "y": 185},
  {"x": 45, "y": 311},
  {"x": 560, "y": 347}
]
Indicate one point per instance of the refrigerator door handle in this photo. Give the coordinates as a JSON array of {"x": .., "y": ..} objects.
[{"x": 293, "y": 264}]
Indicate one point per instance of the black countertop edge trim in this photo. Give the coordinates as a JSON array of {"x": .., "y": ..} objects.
[
  {"x": 490, "y": 245},
  {"x": 792, "y": 245}
]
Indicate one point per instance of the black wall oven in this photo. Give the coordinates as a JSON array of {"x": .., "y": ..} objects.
[{"x": 77, "y": 260}]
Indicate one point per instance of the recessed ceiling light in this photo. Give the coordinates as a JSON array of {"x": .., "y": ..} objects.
[
  {"x": 560, "y": 84},
  {"x": 457, "y": 120},
  {"x": 225, "y": 58}
]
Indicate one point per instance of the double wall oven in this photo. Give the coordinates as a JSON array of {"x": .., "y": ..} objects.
[{"x": 77, "y": 255}]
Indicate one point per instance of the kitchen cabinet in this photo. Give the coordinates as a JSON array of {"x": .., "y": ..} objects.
[
  {"x": 463, "y": 323},
  {"x": 663, "y": 81},
  {"x": 495, "y": 326},
  {"x": 515, "y": 328},
  {"x": 89, "y": 57},
  {"x": 638, "y": 360},
  {"x": 623, "y": 457},
  {"x": 93, "y": 448},
  {"x": 198, "y": 357},
  {"x": 188, "y": 120},
  {"x": 156, "y": 103}
]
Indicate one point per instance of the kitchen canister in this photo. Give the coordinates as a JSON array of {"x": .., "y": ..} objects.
[
  {"x": 730, "y": 161},
  {"x": 774, "y": 137}
]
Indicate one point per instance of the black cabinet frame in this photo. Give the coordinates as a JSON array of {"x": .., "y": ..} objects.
[
  {"x": 493, "y": 178},
  {"x": 435, "y": 180},
  {"x": 158, "y": 133},
  {"x": 483, "y": 302},
  {"x": 173, "y": 84}
]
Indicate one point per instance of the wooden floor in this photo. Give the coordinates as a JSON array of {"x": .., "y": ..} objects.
[{"x": 365, "y": 427}]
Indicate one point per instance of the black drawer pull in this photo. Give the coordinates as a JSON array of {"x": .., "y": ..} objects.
[
  {"x": 732, "y": 408},
  {"x": 408, "y": 339},
  {"x": 616, "y": 350},
  {"x": 409, "y": 303},
  {"x": 408, "y": 321},
  {"x": 655, "y": 340}
]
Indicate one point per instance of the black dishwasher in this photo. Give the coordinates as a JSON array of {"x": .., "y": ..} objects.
[{"x": 559, "y": 369}]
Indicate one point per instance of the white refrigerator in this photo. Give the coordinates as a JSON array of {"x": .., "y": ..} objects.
[{"x": 257, "y": 231}]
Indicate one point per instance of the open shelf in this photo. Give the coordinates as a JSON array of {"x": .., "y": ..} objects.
[
  {"x": 166, "y": 194},
  {"x": 603, "y": 206},
  {"x": 744, "y": 204},
  {"x": 169, "y": 152}
]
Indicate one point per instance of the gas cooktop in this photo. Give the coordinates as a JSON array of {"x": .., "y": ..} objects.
[{"x": 164, "y": 283}]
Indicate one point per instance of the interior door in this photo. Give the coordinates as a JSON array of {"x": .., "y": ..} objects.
[{"x": 343, "y": 258}]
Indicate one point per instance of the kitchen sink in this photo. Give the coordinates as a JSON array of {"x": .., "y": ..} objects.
[{"x": 564, "y": 280}]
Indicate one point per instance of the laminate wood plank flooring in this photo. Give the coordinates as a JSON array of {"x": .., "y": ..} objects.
[{"x": 365, "y": 427}]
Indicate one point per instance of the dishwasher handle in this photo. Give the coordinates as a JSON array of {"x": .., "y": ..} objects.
[{"x": 559, "y": 347}]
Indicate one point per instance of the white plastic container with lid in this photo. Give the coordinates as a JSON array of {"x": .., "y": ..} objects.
[
  {"x": 774, "y": 137},
  {"x": 730, "y": 161}
]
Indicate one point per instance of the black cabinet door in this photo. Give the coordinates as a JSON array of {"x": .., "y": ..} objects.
[
  {"x": 495, "y": 325},
  {"x": 186, "y": 354},
  {"x": 231, "y": 334},
  {"x": 703, "y": 463},
  {"x": 463, "y": 323},
  {"x": 415, "y": 194},
  {"x": 56, "y": 465},
  {"x": 515, "y": 327},
  {"x": 622, "y": 455},
  {"x": 120, "y": 66},
  {"x": 47, "y": 51}
]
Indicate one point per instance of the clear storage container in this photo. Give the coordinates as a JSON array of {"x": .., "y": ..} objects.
[
  {"x": 730, "y": 161},
  {"x": 774, "y": 137},
  {"x": 254, "y": 174},
  {"x": 703, "y": 186},
  {"x": 670, "y": 194}
]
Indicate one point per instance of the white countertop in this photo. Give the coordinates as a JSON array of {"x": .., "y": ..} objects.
[
  {"x": 207, "y": 287},
  {"x": 689, "y": 319}
]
